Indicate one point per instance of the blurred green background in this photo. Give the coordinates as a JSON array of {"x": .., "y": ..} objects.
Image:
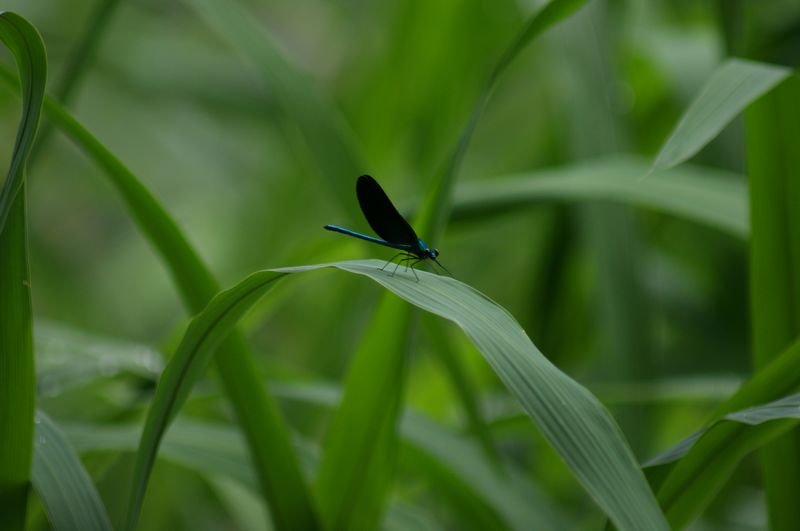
[{"x": 648, "y": 310}]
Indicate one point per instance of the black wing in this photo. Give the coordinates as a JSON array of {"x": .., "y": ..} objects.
[{"x": 381, "y": 214}]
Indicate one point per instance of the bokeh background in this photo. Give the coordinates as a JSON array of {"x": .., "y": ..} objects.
[{"x": 648, "y": 310}]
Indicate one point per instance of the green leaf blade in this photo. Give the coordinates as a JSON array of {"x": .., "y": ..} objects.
[
  {"x": 729, "y": 90},
  {"x": 712, "y": 197},
  {"x": 17, "y": 374},
  {"x": 575, "y": 423},
  {"x": 65, "y": 488}
]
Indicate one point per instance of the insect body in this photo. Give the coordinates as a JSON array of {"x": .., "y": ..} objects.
[{"x": 393, "y": 229}]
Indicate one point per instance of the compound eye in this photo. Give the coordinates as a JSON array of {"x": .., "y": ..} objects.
[{"x": 435, "y": 253}]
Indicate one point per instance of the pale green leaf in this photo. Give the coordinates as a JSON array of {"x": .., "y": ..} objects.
[
  {"x": 571, "y": 418},
  {"x": 65, "y": 488},
  {"x": 730, "y": 89}
]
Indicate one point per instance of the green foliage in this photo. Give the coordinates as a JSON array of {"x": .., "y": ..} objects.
[
  {"x": 773, "y": 125},
  {"x": 66, "y": 490},
  {"x": 17, "y": 378},
  {"x": 523, "y": 142}
]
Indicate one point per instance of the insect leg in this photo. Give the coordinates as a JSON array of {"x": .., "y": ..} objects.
[{"x": 391, "y": 260}]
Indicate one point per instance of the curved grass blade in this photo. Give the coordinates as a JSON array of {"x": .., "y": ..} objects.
[
  {"x": 713, "y": 197},
  {"x": 27, "y": 47},
  {"x": 325, "y": 138},
  {"x": 204, "y": 334},
  {"x": 65, "y": 488},
  {"x": 459, "y": 459},
  {"x": 17, "y": 377},
  {"x": 730, "y": 89},
  {"x": 689, "y": 484},
  {"x": 577, "y": 425},
  {"x": 574, "y": 422},
  {"x": 787, "y": 407},
  {"x": 283, "y": 486},
  {"x": 359, "y": 449},
  {"x": 435, "y": 210}
]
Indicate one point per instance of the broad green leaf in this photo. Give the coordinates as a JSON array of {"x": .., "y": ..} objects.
[
  {"x": 65, "y": 488},
  {"x": 773, "y": 166},
  {"x": 273, "y": 457},
  {"x": 566, "y": 413},
  {"x": 17, "y": 377},
  {"x": 705, "y": 195},
  {"x": 731, "y": 88},
  {"x": 575, "y": 423}
]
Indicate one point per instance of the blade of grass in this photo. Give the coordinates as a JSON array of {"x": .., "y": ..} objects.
[
  {"x": 65, "y": 488},
  {"x": 360, "y": 445},
  {"x": 360, "y": 442},
  {"x": 568, "y": 415},
  {"x": 692, "y": 482},
  {"x": 79, "y": 59},
  {"x": 26, "y": 45},
  {"x": 787, "y": 407},
  {"x": 730, "y": 89},
  {"x": 17, "y": 376},
  {"x": 324, "y": 137},
  {"x": 773, "y": 163},
  {"x": 575, "y": 423},
  {"x": 217, "y": 450},
  {"x": 463, "y": 386},
  {"x": 704, "y": 195},
  {"x": 204, "y": 334},
  {"x": 283, "y": 486},
  {"x": 435, "y": 209}
]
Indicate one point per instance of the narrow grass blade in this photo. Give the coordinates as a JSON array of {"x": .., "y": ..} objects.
[
  {"x": 17, "y": 377},
  {"x": 773, "y": 164},
  {"x": 203, "y": 336},
  {"x": 691, "y": 483},
  {"x": 325, "y": 139},
  {"x": 712, "y": 197},
  {"x": 447, "y": 458},
  {"x": 435, "y": 210},
  {"x": 65, "y": 488},
  {"x": 518, "y": 505},
  {"x": 79, "y": 59},
  {"x": 465, "y": 389},
  {"x": 283, "y": 486},
  {"x": 25, "y": 43},
  {"x": 577, "y": 425},
  {"x": 730, "y": 89},
  {"x": 360, "y": 447},
  {"x": 787, "y": 407}
]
